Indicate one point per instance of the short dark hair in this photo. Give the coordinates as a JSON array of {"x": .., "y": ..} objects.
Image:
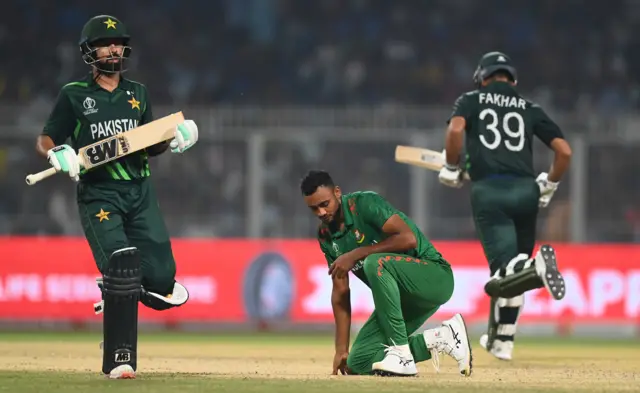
[{"x": 313, "y": 180}]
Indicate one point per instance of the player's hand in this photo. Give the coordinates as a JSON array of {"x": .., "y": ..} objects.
[
  {"x": 342, "y": 265},
  {"x": 547, "y": 189},
  {"x": 65, "y": 159},
  {"x": 186, "y": 135},
  {"x": 340, "y": 363},
  {"x": 451, "y": 176}
]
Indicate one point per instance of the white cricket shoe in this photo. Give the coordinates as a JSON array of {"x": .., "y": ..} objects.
[
  {"x": 452, "y": 339},
  {"x": 502, "y": 350},
  {"x": 122, "y": 372},
  {"x": 398, "y": 361}
]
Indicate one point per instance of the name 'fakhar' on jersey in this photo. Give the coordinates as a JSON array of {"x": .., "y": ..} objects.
[{"x": 501, "y": 100}]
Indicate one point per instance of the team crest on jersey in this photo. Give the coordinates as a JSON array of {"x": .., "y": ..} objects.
[
  {"x": 359, "y": 236},
  {"x": 89, "y": 105}
]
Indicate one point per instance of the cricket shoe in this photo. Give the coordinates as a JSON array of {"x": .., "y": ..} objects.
[
  {"x": 546, "y": 266},
  {"x": 502, "y": 350},
  {"x": 124, "y": 371},
  {"x": 397, "y": 362},
  {"x": 452, "y": 339}
]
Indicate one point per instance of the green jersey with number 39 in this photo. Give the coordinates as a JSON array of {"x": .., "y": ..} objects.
[{"x": 500, "y": 126}]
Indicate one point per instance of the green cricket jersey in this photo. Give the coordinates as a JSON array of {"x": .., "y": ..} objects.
[
  {"x": 500, "y": 126},
  {"x": 86, "y": 113},
  {"x": 365, "y": 212}
]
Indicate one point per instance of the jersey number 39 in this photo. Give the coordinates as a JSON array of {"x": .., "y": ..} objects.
[{"x": 514, "y": 138}]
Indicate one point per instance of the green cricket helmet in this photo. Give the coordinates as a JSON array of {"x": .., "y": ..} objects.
[
  {"x": 491, "y": 63},
  {"x": 100, "y": 31}
]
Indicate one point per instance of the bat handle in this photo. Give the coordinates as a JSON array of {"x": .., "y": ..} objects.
[{"x": 36, "y": 177}]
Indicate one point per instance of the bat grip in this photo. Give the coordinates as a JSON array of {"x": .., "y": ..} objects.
[{"x": 36, "y": 177}]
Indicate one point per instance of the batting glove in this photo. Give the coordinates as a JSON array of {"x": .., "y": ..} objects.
[
  {"x": 186, "y": 135},
  {"x": 64, "y": 159},
  {"x": 547, "y": 189},
  {"x": 450, "y": 176}
]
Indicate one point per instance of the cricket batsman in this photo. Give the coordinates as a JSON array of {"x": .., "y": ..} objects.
[
  {"x": 363, "y": 233},
  {"x": 499, "y": 125},
  {"x": 117, "y": 202}
]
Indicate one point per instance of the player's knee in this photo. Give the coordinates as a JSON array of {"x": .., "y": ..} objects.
[
  {"x": 373, "y": 265},
  {"x": 158, "y": 268},
  {"x": 159, "y": 279}
]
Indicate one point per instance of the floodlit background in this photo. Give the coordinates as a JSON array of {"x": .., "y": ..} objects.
[{"x": 279, "y": 87}]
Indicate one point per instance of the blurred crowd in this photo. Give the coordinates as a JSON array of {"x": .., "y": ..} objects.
[{"x": 574, "y": 56}]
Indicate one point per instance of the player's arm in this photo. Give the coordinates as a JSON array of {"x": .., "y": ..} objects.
[
  {"x": 551, "y": 135},
  {"x": 379, "y": 213},
  {"x": 450, "y": 174},
  {"x": 44, "y": 143},
  {"x": 341, "y": 305},
  {"x": 561, "y": 160},
  {"x": 60, "y": 125},
  {"x": 457, "y": 123},
  {"x": 454, "y": 140}
]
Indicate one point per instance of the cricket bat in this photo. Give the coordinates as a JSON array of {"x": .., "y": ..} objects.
[
  {"x": 423, "y": 158},
  {"x": 120, "y": 145}
]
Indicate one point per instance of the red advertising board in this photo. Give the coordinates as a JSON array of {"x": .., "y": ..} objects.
[{"x": 238, "y": 280}]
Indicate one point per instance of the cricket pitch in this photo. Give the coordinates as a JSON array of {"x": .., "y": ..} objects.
[{"x": 257, "y": 363}]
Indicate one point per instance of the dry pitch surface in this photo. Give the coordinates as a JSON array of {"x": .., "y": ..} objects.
[{"x": 268, "y": 363}]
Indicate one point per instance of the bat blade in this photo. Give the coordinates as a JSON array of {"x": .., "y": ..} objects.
[
  {"x": 120, "y": 145},
  {"x": 125, "y": 143},
  {"x": 423, "y": 158}
]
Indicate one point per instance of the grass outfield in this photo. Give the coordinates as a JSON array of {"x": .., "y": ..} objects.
[{"x": 274, "y": 363}]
